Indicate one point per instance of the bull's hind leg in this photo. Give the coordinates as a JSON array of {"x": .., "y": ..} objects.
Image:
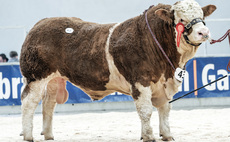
[
  {"x": 31, "y": 96},
  {"x": 48, "y": 105},
  {"x": 164, "y": 124},
  {"x": 144, "y": 108},
  {"x": 55, "y": 92}
]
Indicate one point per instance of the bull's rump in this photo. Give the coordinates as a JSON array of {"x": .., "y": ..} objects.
[{"x": 79, "y": 56}]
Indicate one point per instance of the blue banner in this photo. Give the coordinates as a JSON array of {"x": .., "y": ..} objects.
[
  {"x": 10, "y": 85},
  {"x": 199, "y": 72}
]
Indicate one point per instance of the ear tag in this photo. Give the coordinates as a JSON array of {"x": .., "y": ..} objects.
[
  {"x": 69, "y": 30},
  {"x": 180, "y": 30}
]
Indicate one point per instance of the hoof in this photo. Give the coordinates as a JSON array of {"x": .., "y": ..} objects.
[
  {"x": 148, "y": 140},
  {"x": 26, "y": 137},
  {"x": 49, "y": 137},
  {"x": 168, "y": 139},
  {"x": 164, "y": 138},
  {"x": 21, "y": 134},
  {"x": 29, "y": 140}
]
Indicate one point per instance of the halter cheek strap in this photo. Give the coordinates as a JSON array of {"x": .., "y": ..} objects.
[
  {"x": 193, "y": 22},
  {"x": 188, "y": 27}
]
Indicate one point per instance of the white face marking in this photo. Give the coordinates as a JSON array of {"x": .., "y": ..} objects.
[{"x": 187, "y": 10}]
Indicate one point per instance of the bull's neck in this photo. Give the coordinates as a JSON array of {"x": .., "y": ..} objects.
[
  {"x": 165, "y": 35},
  {"x": 187, "y": 51}
]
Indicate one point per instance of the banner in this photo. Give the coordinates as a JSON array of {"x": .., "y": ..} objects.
[{"x": 199, "y": 72}]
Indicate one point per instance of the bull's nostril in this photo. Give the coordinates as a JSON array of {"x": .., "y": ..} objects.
[{"x": 205, "y": 36}]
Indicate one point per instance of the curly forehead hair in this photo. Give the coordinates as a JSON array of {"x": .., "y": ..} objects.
[{"x": 190, "y": 8}]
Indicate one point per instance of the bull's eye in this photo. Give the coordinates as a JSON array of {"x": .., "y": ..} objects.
[{"x": 181, "y": 20}]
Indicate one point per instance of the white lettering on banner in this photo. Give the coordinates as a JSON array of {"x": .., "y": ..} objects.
[
  {"x": 6, "y": 86},
  {"x": 221, "y": 85},
  {"x": 4, "y": 82},
  {"x": 224, "y": 83},
  {"x": 210, "y": 77},
  {"x": 15, "y": 82},
  {"x": 23, "y": 86}
]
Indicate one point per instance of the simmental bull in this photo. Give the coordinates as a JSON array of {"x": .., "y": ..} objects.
[{"x": 104, "y": 58}]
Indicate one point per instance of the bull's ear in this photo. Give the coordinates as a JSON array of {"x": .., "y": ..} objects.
[
  {"x": 208, "y": 10},
  {"x": 164, "y": 15}
]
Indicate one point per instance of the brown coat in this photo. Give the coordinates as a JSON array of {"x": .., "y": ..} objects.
[
  {"x": 104, "y": 58},
  {"x": 80, "y": 56}
]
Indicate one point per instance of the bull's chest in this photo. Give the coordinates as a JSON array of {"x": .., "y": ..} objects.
[{"x": 164, "y": 90}]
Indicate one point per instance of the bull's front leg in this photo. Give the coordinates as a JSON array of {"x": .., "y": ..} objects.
[
  {"x": 164, "y": 124},
  {"x": 142, "y": 98}
]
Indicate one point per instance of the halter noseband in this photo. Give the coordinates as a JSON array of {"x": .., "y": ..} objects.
[{"x": 188, "y": 27}]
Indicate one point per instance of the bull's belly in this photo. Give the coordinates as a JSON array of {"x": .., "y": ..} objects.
[
  {"x": 117, "y": 83},
  {"x": 57, "y": 82}
]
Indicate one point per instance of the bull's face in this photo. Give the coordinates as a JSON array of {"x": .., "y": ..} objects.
[{"x": 191, "y": 15}]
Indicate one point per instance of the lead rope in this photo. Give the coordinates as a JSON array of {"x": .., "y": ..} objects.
[
  {"x": 198, "y": 89},
  {"x": 228, "y": 67},
  {"x": 222, "y": 38},
  {"x": 158, "y": 44}
]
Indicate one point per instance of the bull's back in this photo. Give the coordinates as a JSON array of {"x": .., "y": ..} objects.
[{"x": 69, "y": 45}]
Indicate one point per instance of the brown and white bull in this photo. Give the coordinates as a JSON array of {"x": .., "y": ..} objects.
[{"x": 104, "y": 58}]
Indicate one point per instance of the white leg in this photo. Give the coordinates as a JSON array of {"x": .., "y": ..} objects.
[
  {"x": 144, "y": 109},
  {"x": 48, "y": 106},
  {"x": 164, "y": 124},
  {"x": 32, "y": 97}
]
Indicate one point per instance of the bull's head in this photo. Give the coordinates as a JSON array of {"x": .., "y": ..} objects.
[{"x": 191, "y": 15}]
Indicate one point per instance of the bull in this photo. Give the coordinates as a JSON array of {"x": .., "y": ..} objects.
[{"x": 104, "y": 58}]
